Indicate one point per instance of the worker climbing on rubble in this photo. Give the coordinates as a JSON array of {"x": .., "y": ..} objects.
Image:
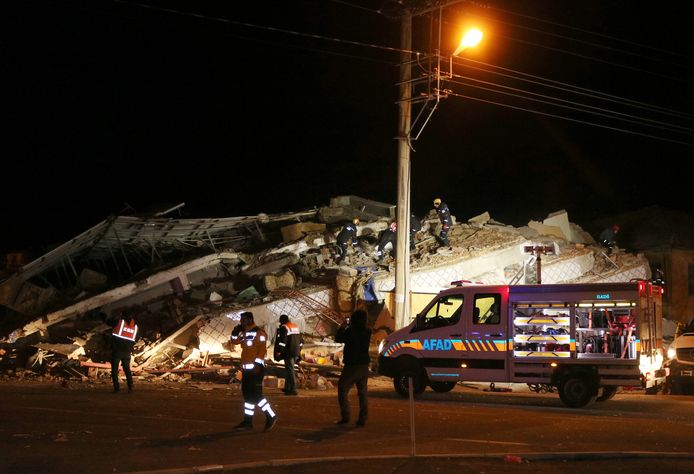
[
  {"x": 348, "y": 235},
  {"x": 357, "y": 338},
  {"x": 446, "y": 221},
  {"x": 388, "y": 236},
  {"x": 254, "y": 347},
  {"x": 288, "y": 349},
  {"x": 122, "y": 341},
  {"x": 608, "y": 236}
]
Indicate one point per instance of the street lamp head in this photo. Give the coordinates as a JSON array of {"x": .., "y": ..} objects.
[{"x": 471, "y": 38}]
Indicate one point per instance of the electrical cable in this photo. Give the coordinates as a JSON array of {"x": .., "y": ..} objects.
[
  {"x": 607, "y": 112},
  {"x": 584, "y": 122}
]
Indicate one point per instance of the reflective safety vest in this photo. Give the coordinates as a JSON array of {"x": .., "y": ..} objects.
[
  {"x": 253, "y": 346},
  {"x": 127, "y": 331}
]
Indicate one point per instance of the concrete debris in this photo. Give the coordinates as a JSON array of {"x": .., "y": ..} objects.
[{"x": 271, "y": 265}]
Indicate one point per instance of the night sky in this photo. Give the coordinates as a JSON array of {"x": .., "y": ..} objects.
[{"x": 237, "y": 108}]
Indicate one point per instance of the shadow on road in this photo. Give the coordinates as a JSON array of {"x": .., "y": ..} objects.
[
  {"x": 329, "y": 432},
  {"x": 203, "y": 438}
]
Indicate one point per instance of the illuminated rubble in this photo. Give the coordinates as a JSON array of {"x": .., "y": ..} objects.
[{"x": 189, "y": 279}]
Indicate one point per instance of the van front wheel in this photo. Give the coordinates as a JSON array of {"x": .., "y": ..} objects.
[
  {"x": 442, "y": 387},
  {"x": 401, "y": 384}
]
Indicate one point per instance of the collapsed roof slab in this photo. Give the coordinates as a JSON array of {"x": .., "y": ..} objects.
[
  {"x": 133, "y": 244},
  {"x": 568, "y": 267},
  {"x": 116, "y": 295}
]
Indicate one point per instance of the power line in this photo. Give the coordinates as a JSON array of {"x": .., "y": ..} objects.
[
  {"x": 535, "y": 79},
  {"x": 603, "y": 61},
  {"x": 577, "y": 40},
  {"x": 581, "y": 107},
  {"x": 584, "y": 122},
  {"x": 582, "y": 30},
  {"x": 610, "y": 114},
  {"x": 262, "y": 27}
]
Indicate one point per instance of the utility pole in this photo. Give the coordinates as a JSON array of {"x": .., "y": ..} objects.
[{"x": 402, "y": 260}]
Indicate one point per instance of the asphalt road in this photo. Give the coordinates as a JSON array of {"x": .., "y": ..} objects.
[{"x": 177, "y": 427}]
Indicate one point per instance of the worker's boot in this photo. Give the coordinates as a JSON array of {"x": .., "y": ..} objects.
[
  {"x": 270, "y": 422},
  {"x": 246, "y": 424}
]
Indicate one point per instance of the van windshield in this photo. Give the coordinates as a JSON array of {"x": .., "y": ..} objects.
[{"x": 444, "y": 312}]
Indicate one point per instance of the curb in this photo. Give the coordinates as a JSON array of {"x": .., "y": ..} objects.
[{"x": 514, "y": 457}]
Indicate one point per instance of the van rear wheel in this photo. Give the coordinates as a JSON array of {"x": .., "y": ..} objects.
[
  {"x": 576, "y": 391},
  {"x": 442, "y": 387},
  {"x": 401, "y": 384}
]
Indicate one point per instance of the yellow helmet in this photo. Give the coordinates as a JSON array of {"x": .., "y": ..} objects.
[
  {"x": 437, "y": 202},
  {"x": 355, "y": 221}
]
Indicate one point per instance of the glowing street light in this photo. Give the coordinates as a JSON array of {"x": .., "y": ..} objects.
[{"x": 471, "y": 39}]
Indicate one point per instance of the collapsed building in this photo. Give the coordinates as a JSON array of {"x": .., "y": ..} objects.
[{"x": 188, "y": 280}]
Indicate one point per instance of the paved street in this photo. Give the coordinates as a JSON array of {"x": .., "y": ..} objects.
[{"x": 82, "y": 427}]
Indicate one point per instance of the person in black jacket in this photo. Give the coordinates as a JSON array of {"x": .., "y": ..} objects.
[
  {"x": 346, "y": 235},
  {"x": 288, "y": 349},
  {"x": 356, "y": 337},
  {"x": 388, "y": 236},
  {"x": 446, "y": 221}
]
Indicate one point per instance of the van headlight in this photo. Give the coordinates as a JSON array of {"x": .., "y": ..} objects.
[
  {"x": 381, "y": 345},
  {"x": 671, "y": 353}
]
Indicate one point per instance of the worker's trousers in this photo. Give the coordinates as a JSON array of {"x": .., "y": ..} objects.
[
  {"x": 123, "y": 359},
  {"x": 351, "y": 375},
  {"x": 290, "y": 375},
  {"x": 252, "y": 390}
]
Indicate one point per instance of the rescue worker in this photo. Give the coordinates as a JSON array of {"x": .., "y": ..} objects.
[
  {"x": 357, "y": 338},
  {"x": 446, "y": 221},
  {"x": 608, "y": 236},
  {"x": 348, "y": 234},
  {"x": 122, "y": 341},
  {"x": 253, "y": 340},
  {"x": 388, "y": 236},
  {"x": 288, "y": 349}
]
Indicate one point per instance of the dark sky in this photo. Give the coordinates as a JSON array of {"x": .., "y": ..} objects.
[{"x": 237, "y": 108}]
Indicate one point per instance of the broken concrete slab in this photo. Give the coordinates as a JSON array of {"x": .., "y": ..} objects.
[
  {"x": 300, "y": 230},
  {"x": 480, "y": 219},
  {"x": 560, "y": 219},
  {"x": 548, "y": 230}
]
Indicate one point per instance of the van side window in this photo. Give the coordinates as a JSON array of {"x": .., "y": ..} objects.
[
  {"x": 487, "y": 309},
  {"x": 445, "y": 312}
]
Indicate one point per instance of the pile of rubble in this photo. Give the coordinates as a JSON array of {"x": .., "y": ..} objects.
[{"x": 188, "y": 280}]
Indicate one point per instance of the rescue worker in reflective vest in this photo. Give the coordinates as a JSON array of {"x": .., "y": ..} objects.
[
  {"x": 346, "y": 235},
  {"x": 446, "y": 221},
  {"x": 288, "y": 349},
  {"x": 122, "y": 342},
  {"x": 253, "y": 342}
]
